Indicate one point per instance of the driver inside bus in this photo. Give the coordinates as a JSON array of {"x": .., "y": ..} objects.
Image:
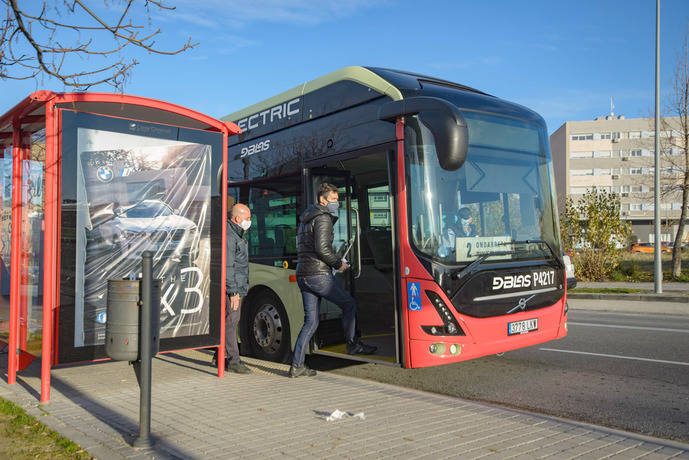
[{"x": 463, "y": 227}]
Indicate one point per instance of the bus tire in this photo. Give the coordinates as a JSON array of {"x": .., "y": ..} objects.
[{"x": 268, "y": 328}]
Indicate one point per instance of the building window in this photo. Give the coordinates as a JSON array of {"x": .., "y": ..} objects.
[
  {"x": 581, "y": 154},
  {"x": 635, "y": 134},
  {"x": 635, "y": 153},
  {"x": 635, "y": 206},
  {"x": 582, "y": 137},
  {"x": 602, "y": 154},
  {"x": 605, "y": 135},
  {"x": 577, "y": 190},
  {"x": 626, "y": 188},
  {"x": 616, "y": 135},
  {"x": 601, "y": 172},
  {"x": 634, "y": 171},
  {"x": 647, "y": 207},
  {"x": 581, "y": 172},
  {"x": 676, "y": 206}
]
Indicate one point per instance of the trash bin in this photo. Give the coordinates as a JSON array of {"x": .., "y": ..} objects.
[{"x": 123, "y": 319}]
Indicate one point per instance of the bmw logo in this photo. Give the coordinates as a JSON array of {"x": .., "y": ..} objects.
[
  {"x": 102, "y": 317},
  {"x": 105, "y": 174}
]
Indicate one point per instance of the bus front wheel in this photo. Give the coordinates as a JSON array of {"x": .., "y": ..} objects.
[{"x": 268, "y": 328}]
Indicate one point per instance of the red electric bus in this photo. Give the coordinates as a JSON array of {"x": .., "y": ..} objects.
[{"x": 447, "y": 215}]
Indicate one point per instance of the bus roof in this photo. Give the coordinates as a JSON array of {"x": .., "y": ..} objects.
[
  {"x": 356, "y": 74},
  {"x": 409, "y": 80}
]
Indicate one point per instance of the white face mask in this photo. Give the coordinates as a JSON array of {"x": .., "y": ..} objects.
[{"x": 245, "y": 225}]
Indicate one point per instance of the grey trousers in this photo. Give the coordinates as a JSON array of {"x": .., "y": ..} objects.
[{"x": 231, "y": 322}]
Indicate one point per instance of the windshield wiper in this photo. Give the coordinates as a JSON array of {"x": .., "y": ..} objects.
[
  {"x": 473, "y": 267},
  {"x": 543, "y": 242}
]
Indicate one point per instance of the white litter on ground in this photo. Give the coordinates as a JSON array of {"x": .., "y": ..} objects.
[{"x": 339, "y": 415}]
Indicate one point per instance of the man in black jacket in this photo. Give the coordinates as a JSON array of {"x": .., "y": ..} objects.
[
  {"x": 317, "y": 260},
  {"x": 236, "y": 284}
]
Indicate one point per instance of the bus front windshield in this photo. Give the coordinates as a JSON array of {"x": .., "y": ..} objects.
[{"x": 498, "y": 200}]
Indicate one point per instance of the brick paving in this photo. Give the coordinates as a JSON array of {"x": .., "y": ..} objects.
[{"x": 196, "y": 415}]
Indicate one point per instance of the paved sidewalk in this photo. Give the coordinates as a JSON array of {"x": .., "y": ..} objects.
[
  {"x": 615, "y": 304},
  {"x": 668, "y": 286},
  {"x": 267, "y": 415}
]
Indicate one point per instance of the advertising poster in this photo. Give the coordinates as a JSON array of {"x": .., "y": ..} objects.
[{"x": 140, "y": 193}]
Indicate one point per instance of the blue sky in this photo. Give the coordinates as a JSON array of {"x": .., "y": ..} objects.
[{"x": 563, "y": 59}]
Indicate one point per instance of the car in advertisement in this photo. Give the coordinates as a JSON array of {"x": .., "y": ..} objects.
[{"x": 148, "y": 225}]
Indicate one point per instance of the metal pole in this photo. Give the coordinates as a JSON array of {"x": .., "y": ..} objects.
[
  {"x": 658, "y": 277},
  {"x": 49, "y": 276},
  {"x": 145, "y": 352}
]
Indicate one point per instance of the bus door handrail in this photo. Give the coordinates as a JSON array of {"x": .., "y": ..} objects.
[{"x": 358, "y": 243}]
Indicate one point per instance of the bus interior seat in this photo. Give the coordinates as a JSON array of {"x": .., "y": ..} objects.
[{"x": 380, "y": 243}]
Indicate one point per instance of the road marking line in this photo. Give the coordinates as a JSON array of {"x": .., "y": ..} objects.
[
  {"x": 642, "y": 328},
  {"x": 616, "y": 356}
]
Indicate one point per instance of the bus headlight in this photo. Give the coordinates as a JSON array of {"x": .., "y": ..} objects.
[
  {"x": 450, "y": 325},
  {"x": 437, "y": 348},
  {"x": 455, "y": 349}
]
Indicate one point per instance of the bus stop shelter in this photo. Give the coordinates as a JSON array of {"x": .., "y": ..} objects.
[{"x": 89, "y": 182}]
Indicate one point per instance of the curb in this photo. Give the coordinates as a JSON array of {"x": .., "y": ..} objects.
[{"x": 632, "y": 297}]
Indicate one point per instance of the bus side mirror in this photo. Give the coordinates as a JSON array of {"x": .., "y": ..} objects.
[{"x": 443, "y": 119}]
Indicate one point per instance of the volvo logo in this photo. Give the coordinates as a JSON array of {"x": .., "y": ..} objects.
[{"x": 521, "y": 305}]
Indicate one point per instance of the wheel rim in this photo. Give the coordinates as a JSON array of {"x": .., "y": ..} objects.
[{"x": 268, "y": 328}]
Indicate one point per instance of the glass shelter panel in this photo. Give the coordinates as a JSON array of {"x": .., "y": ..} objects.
[
  {"x": 138, "y": 187},
  {"x": 31, "y": 290},
  {"x": 5, "y": 239}
]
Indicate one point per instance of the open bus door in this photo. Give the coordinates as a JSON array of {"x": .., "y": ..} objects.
[{"x": 363, "y": 232}]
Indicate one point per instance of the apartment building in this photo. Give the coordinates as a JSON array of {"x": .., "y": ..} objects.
[{"x": 616, "y": 154}]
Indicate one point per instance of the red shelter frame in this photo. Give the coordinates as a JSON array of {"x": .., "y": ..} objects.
[{"x": 40, "y": 110}]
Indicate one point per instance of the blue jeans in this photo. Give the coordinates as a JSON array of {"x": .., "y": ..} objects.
[{"x": 313, "y": 289}]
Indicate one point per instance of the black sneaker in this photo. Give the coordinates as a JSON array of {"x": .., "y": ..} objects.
[
  {"x": 360, "y": 348},
  {"x": 238, "y": 368},
  {"x": 304, "y": 371}
]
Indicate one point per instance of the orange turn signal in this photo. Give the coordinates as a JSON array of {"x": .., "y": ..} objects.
[{"x": 292, "y": 278}]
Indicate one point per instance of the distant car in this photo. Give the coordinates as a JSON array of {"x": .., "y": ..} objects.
[
  {"x": 649, "y": 248},
  {"x": 569, "y": 272}
]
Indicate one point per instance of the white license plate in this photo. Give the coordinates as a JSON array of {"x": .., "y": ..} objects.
[{"x": 522, "y": 327}]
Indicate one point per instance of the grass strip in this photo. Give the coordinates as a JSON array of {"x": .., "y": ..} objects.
[{"x": 24, "y": 437}]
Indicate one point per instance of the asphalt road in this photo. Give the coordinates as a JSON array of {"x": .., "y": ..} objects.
[{"x": 624, "y": 371}]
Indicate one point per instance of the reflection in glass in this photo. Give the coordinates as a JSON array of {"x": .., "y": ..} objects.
[
  {"x": 502, "y": 193},
  {"x": 136, "y": 194}
]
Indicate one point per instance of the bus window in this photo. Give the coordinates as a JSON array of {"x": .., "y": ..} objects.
[{"x": 272, "y": 235}]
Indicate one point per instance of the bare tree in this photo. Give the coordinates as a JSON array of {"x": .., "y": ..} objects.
[
  {"x": 55, "y": 37},
  {"x": 679, "y": 139}
]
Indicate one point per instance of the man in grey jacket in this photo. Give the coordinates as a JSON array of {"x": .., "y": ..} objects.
[{"x": 237, "y": 283}]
